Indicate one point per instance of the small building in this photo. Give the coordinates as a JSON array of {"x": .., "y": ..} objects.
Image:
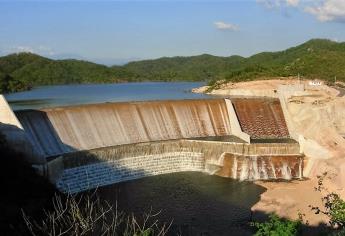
[{"x": 315, "y": 82}]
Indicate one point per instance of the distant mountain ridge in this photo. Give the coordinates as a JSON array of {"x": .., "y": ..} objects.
[{"x": 317, "y": 58}]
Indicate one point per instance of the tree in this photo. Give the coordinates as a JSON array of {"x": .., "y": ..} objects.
[{"x": 4, "y": 82}]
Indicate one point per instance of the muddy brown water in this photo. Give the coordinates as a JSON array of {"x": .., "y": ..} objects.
[{"x": 196, "y": 203}]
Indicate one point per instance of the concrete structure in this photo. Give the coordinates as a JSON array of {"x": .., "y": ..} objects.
[
  {"x": 285, "y": 92},
  {"x": 90, "y": 169},
  {"x": 83, "y": 147},
  {"x": 14, "y": 132},
  {"x": 315, "y": 83},
  {"x": 91, "y": 176},
  {"x": 261, "y": 118},
  {"x": 234, "y": 124},
  {"x": 62, "y": 130}
]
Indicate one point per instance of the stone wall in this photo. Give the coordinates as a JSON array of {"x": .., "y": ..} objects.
[{"x": 91, "y": 176}]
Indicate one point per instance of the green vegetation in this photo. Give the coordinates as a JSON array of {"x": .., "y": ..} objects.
[
  {"x": 276, "y": 226},
  {"x": 317, "y": 58},
  {"x": 24, "y": 70},
  {"x": 334, "y": 206}
]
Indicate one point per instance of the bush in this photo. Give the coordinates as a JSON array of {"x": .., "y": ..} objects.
[
  {"x": 333, "y": 204},
  {"x": 276, "y": 226}
]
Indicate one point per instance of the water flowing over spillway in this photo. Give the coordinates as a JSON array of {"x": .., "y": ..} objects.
[
  {"x": 88, "y": 146},
  {"x": 62, "y": 130},
  {"x": 94, "y": 168},
  {"x": 261, "y": 167}
]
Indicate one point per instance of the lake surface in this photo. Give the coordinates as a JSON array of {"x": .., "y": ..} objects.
[
  {"x": 63, "y": 95},
  {"x": 196, "y": 203}
]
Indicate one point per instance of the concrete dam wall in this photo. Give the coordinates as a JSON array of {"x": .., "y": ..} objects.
[
  {"x": 56, "y": 131},
  {"x": 88, "y": 146}
]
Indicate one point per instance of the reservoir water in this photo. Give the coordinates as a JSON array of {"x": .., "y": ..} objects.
[{"x": 62, "y": 95}]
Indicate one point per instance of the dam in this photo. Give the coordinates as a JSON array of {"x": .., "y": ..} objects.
[{"x": 86, "y": 146}]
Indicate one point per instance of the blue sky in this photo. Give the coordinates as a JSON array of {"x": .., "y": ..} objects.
[{"x": 113, "y": 32}]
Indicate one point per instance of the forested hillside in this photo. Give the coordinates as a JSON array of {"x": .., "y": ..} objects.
[{"x": 317, "y": 58}]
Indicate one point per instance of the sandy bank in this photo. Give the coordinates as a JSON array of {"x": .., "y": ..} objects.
[
  {"x": 260, "y": 87},
  {"x": 288, "y": 199}
]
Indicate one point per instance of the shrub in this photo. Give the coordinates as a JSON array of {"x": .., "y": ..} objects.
[
  {"x": 276, "y": 226},
  {"x": 333, "y": 204}
]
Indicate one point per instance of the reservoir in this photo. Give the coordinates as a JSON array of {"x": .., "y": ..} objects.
[{"x": 63, "y": 95}]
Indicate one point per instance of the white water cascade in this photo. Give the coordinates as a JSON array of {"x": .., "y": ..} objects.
[
  {"x": 212, "y": 166},
  {"x": 258, "y": 167}
]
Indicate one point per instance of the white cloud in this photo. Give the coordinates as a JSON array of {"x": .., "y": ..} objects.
[
  {"x": 328, "y": 10},
  {"x": 225, "y": 26},
  {"x": 21, "y": 49},
  {"x": 279, "y": 3},
  {"x": 43, "y": 50},
  {"x": 323, "y": 10},
  {"x": 293, "y": 3}
]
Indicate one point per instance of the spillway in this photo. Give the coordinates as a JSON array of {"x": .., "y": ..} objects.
[
  {"x": 261, "y": 167},
  {"x": 94, "y": 168},
  {"x": 62, "y": 130},
  {"x": 261, "y": 118},
  {"x": 88, "y": 146}
]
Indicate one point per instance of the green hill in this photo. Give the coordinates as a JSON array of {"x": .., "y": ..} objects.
[
  {"x": 24, "y": 70},
  {"x": 317, "y": 58},
  {"x": 195, "y": 68}
]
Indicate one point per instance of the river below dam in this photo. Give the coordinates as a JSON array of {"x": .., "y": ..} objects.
[
  {"x": 196, "y": 203},
  {"x": 64, "y": 95}
]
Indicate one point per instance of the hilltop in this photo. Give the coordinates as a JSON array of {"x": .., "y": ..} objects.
[
  {"x": 317, "y": 58},
  {"x": 24, "y": 70}
]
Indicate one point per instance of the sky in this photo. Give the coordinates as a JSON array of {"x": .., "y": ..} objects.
[{"x": 115, "y": 32}]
